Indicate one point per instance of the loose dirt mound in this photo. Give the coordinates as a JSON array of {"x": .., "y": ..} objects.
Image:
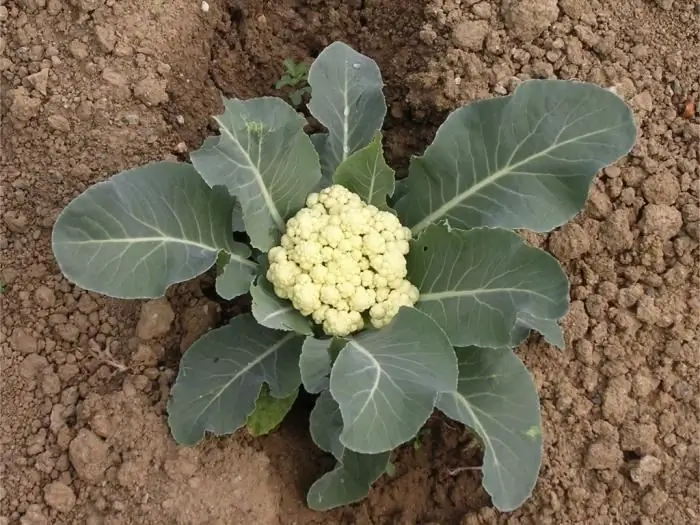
[{"x": 91, "y": 87}]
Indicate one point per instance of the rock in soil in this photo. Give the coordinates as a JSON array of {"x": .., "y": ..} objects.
[
  {"x": 155, "y": 320},
  {"x": 645, "y": 471},
  {"x": 528, "y": 19},
  {"x": 59, "y": 496},
  {"x": 89, "y": 455}
]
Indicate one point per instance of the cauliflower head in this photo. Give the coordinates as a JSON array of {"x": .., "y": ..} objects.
[{"x": 341, "y": 258}]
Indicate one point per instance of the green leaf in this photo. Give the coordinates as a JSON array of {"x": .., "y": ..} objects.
[
  {"x": 386, "y": 381},
  {"x": 400, "y": 189},
  {"x": 497, "y": 399},
  {"x": 316, "y": 360},
  {"x": 273, "y": 312},
  {"x": 326, "y": 425},
  {"x": 320, "y": 142},
  {"x": 347, "y": 98},
  {"x": 482, "y": 285},
  {"x": 522, "y": 161},
  {"x": 283, "y": 82},
  {"x": 366, "y": 173},
  {"x": 295, "y": 97},
  {"x": 269, "y": 411},
  {"x": 549, "y": 328},
  {"x": 265, "y": 159},
  {"x": 221, "y": 375},
  {"x": 145, "y": 229},
  {"x": 301, "y": 70},
  {"x": 237, "y": 217},
  {"x": 354, "y": 474},
  {"x": 296, "y": 70},
  {"x": 236, "y": 276}
]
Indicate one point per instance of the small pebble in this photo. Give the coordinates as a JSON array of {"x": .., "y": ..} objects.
[{"x": 205, "y": 7}]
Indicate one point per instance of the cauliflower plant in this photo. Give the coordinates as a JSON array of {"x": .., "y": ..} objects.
[{"x": 341, "y": 258}]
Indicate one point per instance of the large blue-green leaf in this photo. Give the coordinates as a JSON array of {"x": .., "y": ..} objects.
[
  {"x": 316, "y": 361},
  {"x": 497, "y": 399},
  {"x": 145, "y": 229},
  {"x": 549, "y": 328},
  {"x": 386, "y": 381},
  {"x": 326, "y": 425},
  {"x": 354, "y": 474},
  {"x": 269, "y": 411},
  {"x": 347, "y": 98},
  {"x": 522, "y": 161},
  {"x": 265, "y": 159},
  {"x": 486, "y": 285},
  {"x": 237, "y": 217},
  {"x": 400, "y": 189},
  {"x": 221, "y": 375},
  {"x": 271, "y": 311},
  {"x": 320, "y": 141},
  {"x": 235, "y": 274},
  {"x": 367, "y": 174}
]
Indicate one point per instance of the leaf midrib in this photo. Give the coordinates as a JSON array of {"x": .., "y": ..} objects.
[
  {"x": 374, "y": 175},
  {"x": 247, "y": 368},
  {"x": 479, "y": 427},
  {"x": 455, "y": 294},
  {"x": 457, "y": 199},
  {"x": 160, "y": 240},
  {"x": 379, "y": 370},
  {"x": 276, "y": 313},
  {"x": 271, "y": 206},
  {"x": 346, "y": 114}
]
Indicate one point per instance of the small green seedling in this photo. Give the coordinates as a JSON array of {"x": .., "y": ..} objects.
[{"x": 295, "y": 76}]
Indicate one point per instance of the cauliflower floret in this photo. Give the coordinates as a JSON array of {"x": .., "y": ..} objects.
[
  {"x": 319, "y": 273},
  {"x": 385, "y": 221},
  {"x": 312, "y": 200},
  {"x": 330, "y": 295},
  {"x": 308, "y": 254},
  {"x": 283, "y": 273},
  {"x": 373, "y": 243},
  {"x": 381, "y": 314},
  {"x": 277, "y": 254},
  {"x": 356, "y": 222},
  {"x": 390, "y": 300},
  {"x": 362, "y": 299},
  {"x": 306, "y": 297},
  {"x": 341, "y": 323},
  {"x": 382, "y": 294},
  {"x": 346, "y": 289},
  {"x": 340, "y": 259},
  {"x": 333, "y": 235},
  {"x": 390, "y": 265},
  {"x": 319, "y": 315}
]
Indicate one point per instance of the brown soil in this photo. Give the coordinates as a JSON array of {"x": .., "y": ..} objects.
[{"x": 92, "y": 87}]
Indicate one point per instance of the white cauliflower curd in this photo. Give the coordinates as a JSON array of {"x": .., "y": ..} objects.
[{"x": 341, "y": 258}]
